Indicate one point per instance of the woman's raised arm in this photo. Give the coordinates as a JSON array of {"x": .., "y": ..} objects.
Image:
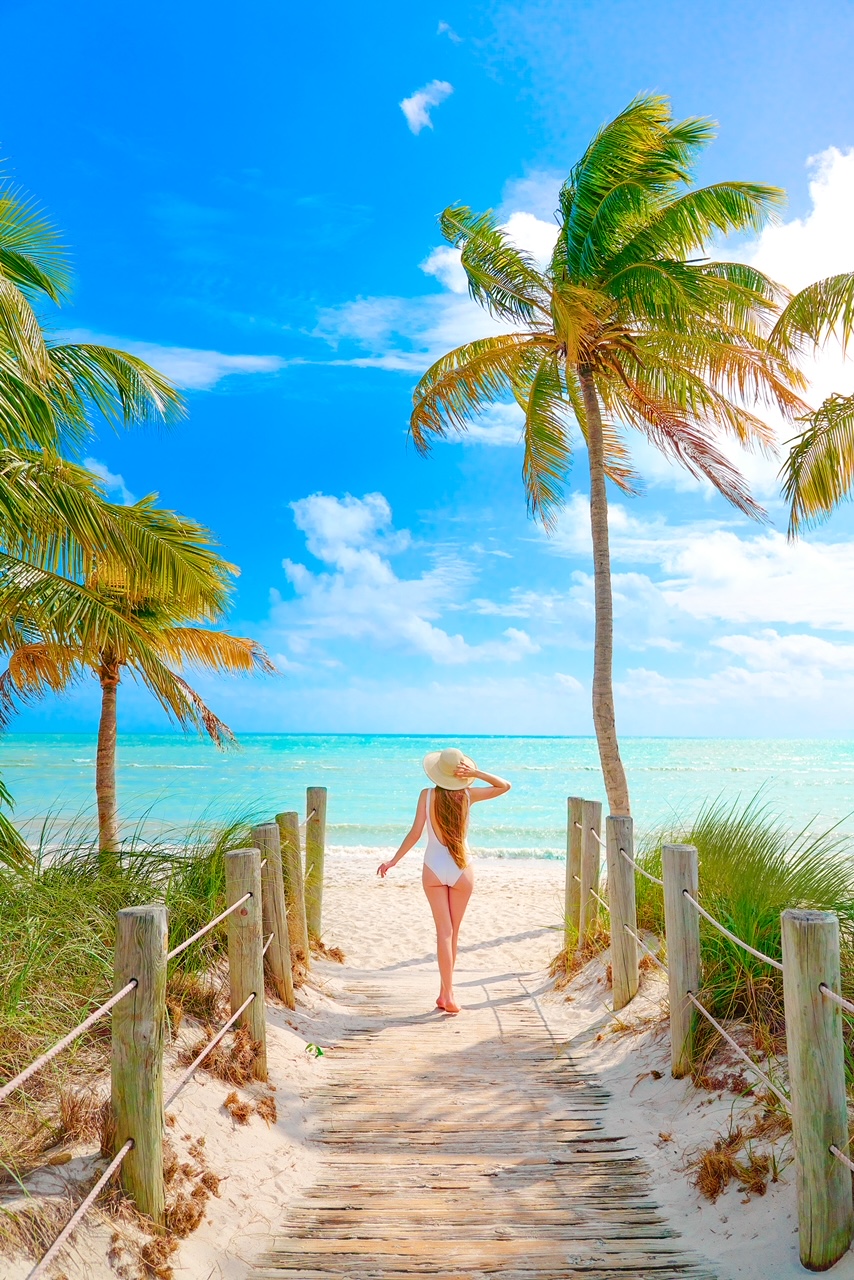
[
  {"x": 411, "y": 838},
  {"x": 495, "y": 786}
]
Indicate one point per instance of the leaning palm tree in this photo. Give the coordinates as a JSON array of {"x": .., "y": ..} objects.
[
  {"x": 818, "y": 473},
  {"x": 626, "y": 326},
  {"x": 152, "y": 638}
]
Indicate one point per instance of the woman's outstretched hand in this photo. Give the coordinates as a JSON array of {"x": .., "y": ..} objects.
[{"x": 383, "y": 868}]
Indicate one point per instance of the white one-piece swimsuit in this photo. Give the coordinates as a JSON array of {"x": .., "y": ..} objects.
[{"x": 437, "y": 856}]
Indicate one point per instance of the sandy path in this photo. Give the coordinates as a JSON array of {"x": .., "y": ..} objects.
[{"x": 471, "y": 1145}]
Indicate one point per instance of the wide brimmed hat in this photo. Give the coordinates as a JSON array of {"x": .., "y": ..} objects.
[{"x": 441, "y": 767}]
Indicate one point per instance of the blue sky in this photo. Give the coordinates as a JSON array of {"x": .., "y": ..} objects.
[{"x": 249, "y": 206}]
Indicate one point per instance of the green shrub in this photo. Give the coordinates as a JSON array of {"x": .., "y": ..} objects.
[{"x": 751, "y": 868}]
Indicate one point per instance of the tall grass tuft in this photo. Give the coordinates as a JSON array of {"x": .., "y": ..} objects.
[
  {"x": 751, "y": 868},
  {"x": 57, "y": 932}
]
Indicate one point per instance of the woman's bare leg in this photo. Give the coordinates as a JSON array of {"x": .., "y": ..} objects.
[
  {"x": 458, "y": 899},
  {"x": 438, "y": 897}
]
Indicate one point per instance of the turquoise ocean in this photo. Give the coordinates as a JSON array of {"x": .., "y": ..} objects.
[{"x": 168, "y": 782}]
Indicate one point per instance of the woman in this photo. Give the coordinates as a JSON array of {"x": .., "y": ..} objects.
[{"x": 447, "y": 877}]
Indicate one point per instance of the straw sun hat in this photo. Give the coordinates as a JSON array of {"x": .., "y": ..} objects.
[{"x": 441, "y": 767}]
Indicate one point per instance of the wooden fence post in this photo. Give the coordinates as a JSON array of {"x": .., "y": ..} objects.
[
  {"x": 588, "y": 916},
  {"x": 682, "y": 927},
  {"x": 245, "y": 947},
  {"x": 315, "y": 850},
  {"x": 137, "y": 1054},
  {"x": 623, "y": 910},
  {"x": 572, "y": 900},
  {"x": 817, "y": 1076},
  {"x": 274, "y": 912},
  {"x": 288, "y": 824}
]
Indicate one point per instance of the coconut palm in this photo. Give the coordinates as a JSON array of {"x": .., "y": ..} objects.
[
  {"x": 818, "y": 473},
  {"x": 118, "y": 624},
  {"x": 626, "y": 326}
]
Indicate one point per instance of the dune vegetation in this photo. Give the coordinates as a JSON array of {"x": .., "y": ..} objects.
[
  {"x": 752, "y": 867},
  {"x": 56, "y": 961}
]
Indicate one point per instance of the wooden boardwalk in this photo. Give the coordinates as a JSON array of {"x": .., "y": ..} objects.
[{"x": 469, "y": 1147}]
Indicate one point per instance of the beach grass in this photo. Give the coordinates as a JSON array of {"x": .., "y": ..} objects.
[
  {"x": 752, "y": 867},
  {"x": 57, "y": 930}
]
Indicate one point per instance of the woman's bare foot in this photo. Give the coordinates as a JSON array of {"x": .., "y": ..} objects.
[
  {"x": 450, "y": 1007},
  {"x": 440, "y": 1003}
]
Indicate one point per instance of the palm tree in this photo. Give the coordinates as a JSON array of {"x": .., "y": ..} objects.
[
  {"x": 155, "y": 638},
  {"x": 627, "y": 326},
  {"x": 818, "y": 473}
]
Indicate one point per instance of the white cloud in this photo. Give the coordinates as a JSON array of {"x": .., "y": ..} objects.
[
  {"x": 190, "y": 368},
  {"x": 417, "y": 108},
  {"x": 712, "y": 572},
  {"x": 360, "y": 597},
  {"x": 112, "y": 482},
  {"x": 801, "y": 250},
  {"x": 445, "y": 29},
  {"x": 499, "y": 424}
]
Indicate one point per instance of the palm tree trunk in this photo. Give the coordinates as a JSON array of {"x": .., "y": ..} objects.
[
  {"x": 105, "y": 759},
  {"x": 604, "y": 719}
]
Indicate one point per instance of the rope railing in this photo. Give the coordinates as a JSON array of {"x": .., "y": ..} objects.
[
  {"x": 599, "y": 899},
  {"x": 642, "y": 870},
  {"x": 644, "y": 947},
  {"x": 841, "y": 1156},
  {"x": 80, "y": 1212},
  {"x": 596, "y": 836},
  {"x": 211, "y": 1045},
  {"x": 200, "y": 933},
  {"x": 78, "y": 1031},
  {"x": 769, "y": 1084},
  {"x": 760, "y": 955},
  {"x": 840, "y": 1000},
  {"x": 267, "y": 944}
]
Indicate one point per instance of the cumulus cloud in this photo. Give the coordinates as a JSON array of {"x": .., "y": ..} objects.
[
  {"x": 712, "y": 571},
  {"x": 417, "y": 108},
  {"x": 359, "y": 596},
  {"x": 190, "y": 368},
  {"x": 113, "y": 483}
]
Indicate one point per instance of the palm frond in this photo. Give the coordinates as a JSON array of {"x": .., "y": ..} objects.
[
  {"x": 813, "y": 315},
  {"x": 456, "y": 388},
  {"x": 689, "y": 222},
  {"x": 504, "y": 279},
  {"x": 547, "y": 447},
  {"x": 31, "y": 255},
  {"x": 125, "y": 389},
  {"x": 634, "y": 162},
  {"x": 214, "y": 650},
  {"x": 688, "y": 444},
  {"x": 818, "y": 473}
]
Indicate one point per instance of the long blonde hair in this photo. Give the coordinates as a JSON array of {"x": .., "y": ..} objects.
[{"x": 451, "y": 821}]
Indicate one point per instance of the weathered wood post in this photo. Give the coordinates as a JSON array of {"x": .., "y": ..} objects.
[
  {"x": 817, "y": 1076},
  {"x": 274, "y": 912},
  {"x": 246, "y": 947},
  {"x": 572, "y": 900},
  {"x": 137, "y": 1054},
  {"x": 591, "y": 825},
  {"x": 623, "y": 910},
  {"x": 682, "y": 926},
  {"x": 288, "y": 824},
  {"x": 315, "y": 850}
]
